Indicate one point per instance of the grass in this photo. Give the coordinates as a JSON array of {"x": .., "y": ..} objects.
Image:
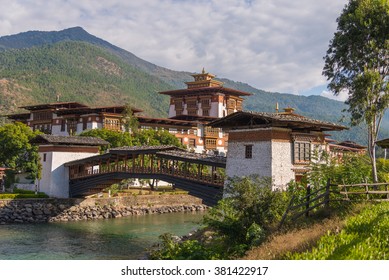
[
  {"x": 364, "y": 236},
  {"x": 303, "y": 234}
]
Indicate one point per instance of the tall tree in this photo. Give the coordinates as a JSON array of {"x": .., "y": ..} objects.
[
  {"x": 130, "y": 121},
  {"x": 357, "y": 61},
  {"x": 16, "y": 151}
]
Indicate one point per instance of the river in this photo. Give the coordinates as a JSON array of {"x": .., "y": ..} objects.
[{"x": 125, "y": 238}]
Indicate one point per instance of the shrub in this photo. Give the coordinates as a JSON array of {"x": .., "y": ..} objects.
[
  {"x": 170, "y": 249},
  {"x": 248, "y": 212},
  {"x": 19, "y": 195}
]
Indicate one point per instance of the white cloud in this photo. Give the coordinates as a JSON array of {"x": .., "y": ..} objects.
[
  {"x": 273, "y": 45},
  {"x": 342, "y": 96}
]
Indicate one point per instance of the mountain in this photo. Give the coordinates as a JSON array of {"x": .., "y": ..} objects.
[{"x": 36, "y": 66}]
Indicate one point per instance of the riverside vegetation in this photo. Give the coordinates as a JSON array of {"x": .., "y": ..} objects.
[{"x": 245, "y": 221}]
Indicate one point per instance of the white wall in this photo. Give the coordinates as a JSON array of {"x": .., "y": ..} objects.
[
  {"x": 56, "y": 130},
  {"x": 55, "y": 176},
  {"x": 259, "y": 164},
  {"x": 172, "y": 111},
  {"x": 282, "y": 164}
]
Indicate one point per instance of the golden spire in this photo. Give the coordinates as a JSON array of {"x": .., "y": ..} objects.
[
  {"x": 277, "y": 107},
  {"x": 203, "y": 72}
]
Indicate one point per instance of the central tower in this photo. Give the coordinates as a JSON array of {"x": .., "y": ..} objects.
[{"x": 204, "y": 97}]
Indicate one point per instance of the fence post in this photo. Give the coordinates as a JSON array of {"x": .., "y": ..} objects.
[
  {"x": 366, "y": 189},
  {"x": 286, "y": 212},
  {"x": 308, "y": 197},
  {"x": 327, "y": 196}
]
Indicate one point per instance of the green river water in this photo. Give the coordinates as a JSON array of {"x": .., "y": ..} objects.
[{"x": 125, "y": 238}]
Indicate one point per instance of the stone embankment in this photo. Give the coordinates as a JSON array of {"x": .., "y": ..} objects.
[{"x": 62, "y": 210}]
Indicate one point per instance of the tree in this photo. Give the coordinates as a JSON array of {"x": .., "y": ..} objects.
[
  {"x": 130, "y": 121},
  {"x": 151, "y": 137},
  {"x": 16, "y": 151},
  {"x": 115, "y": 138},
  {"x": 357, "y": 61}
]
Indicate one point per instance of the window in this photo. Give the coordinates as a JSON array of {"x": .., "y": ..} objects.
[
  {"x": 72, "y": 127},
  {"x": 44, "y": 157},
  {"x": 45, "y": 115},
  {"x": 63, "y": 125},
  {"x": 192, "y": 104},
  {"x": 210, "y": 144},
  {"x": 205, "y": 112},
  {"x": 192, "y": 112},
  {"x": 248, "y": 151},
  {"x": 205, "y": 103},
  {"x": 84, "y": 123},
  {"x": 302, "y": 152},
  {"x": 192, "y": 143}
]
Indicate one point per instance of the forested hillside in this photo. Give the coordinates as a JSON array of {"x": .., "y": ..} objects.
[{"x": 76, "y": 71}]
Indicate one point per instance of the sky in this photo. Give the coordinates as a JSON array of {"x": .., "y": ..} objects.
[{"x": 274, "y": 45}]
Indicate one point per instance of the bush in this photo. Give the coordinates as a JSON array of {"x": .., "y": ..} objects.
[
  {"x": 170, "y": 249},
  {"x": 22, "y": 195},
  {"x": 351, "y": 169},
  {"x": 248, "y": 212}
]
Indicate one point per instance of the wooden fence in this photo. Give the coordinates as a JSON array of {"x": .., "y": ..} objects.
[
  {"x": 321, "y": 197},
  {"x": 365, "y": 191},
  {"x": 314, "y": 199}
]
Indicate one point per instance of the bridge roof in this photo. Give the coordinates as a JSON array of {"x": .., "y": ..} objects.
[
  {"x": 217, "y": 161},
  {"x": 122, "y": 151},
  {"x": 142, "y": 149},
  {"x": 168, "y": 152}
]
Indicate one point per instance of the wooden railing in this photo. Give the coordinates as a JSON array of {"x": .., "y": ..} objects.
[{"x": 201, "y": 178}]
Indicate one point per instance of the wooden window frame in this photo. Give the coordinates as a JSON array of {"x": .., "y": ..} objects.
[
  {"x": 302, "y": 152},
  {"x": 248, "y": 151}
]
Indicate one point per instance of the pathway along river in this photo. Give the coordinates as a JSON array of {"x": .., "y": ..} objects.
[{"x": 115, "y": 239}]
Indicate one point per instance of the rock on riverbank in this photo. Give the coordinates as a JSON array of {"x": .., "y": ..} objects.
[{"x": 62, "y": 210}]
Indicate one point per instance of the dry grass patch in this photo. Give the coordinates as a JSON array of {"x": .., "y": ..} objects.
[{"x": 299, "y": 239}]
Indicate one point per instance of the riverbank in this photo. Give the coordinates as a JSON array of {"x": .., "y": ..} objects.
[{"x": 63, "y": 210}]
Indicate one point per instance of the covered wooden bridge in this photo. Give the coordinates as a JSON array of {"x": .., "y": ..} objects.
[{"x": 202, "y": 175}]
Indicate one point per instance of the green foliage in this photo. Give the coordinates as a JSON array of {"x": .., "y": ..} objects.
[
  {"x": 350, "y": 169},
  {"x": 383, "y": 170},
  {"x": 239, "y": 221},
  {"x": 16, "y": 151},
  {"x": 20, "y": 194},
  {"x": 81, "y": 72},
  {"x": 186, "y": 250},
  {"x": 151, "y": 137},
  {"x": 130, "y": 121},
  {"x": 115, "y": 138},
  {"x": 364, "y": 237},
  {"x": 248, "y": 211},
  {"x": 145, "y": 137}
]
